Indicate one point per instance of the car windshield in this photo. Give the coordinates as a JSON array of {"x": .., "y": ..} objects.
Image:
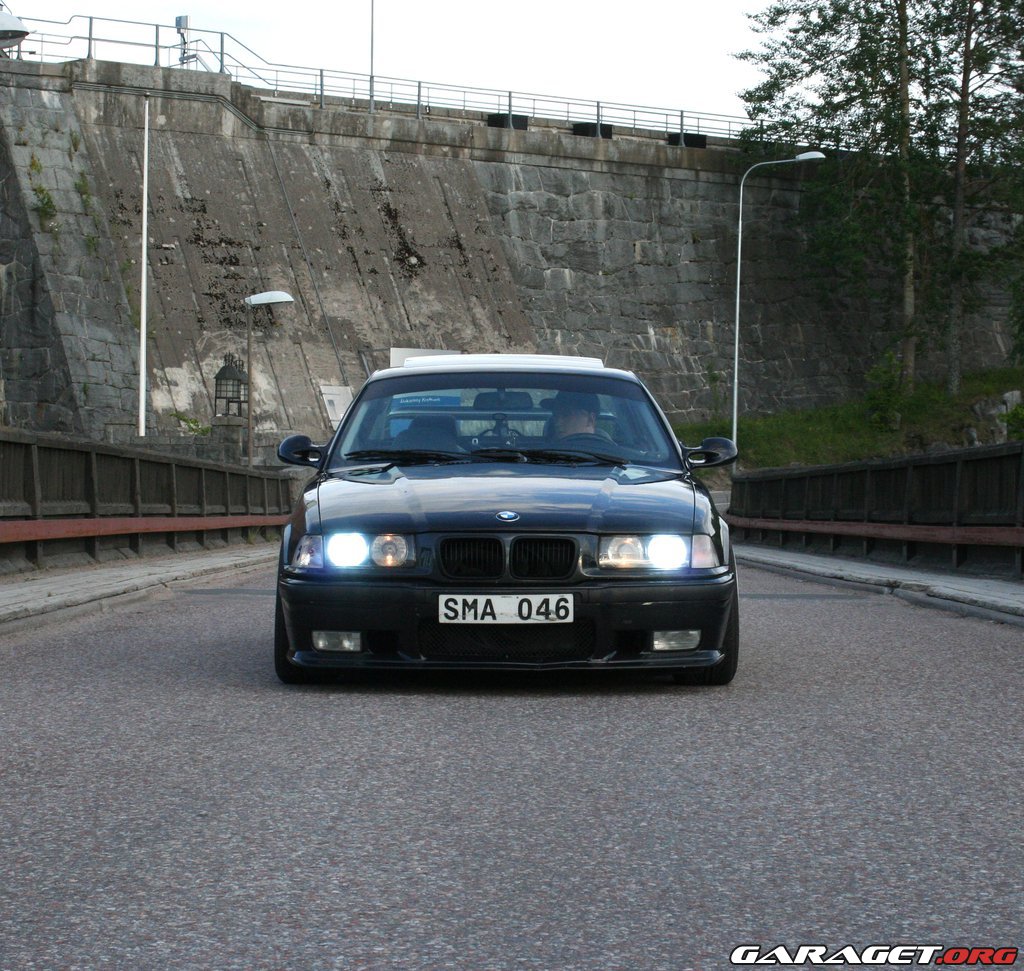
[{"x": 545, "y": 418}]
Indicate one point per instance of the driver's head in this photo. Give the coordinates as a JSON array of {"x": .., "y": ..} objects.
[{"x": 574, "y": 413}]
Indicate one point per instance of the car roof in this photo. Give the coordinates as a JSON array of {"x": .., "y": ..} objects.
[{"x": 504, "y": 362}]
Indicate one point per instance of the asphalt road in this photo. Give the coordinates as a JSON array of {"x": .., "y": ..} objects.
[{"x": 166, "y": 803}]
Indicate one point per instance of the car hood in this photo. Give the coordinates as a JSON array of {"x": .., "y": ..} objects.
[{"x": 421, "y": 499}]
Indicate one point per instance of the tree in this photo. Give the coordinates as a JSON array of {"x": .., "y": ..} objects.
[{"x": 923, "y": 101}]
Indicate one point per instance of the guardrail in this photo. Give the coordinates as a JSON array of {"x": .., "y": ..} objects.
[
  {"x": 138, "y": 42},
  {"x": 961, "y": 509},
  {"x": 63, "y": 501}
]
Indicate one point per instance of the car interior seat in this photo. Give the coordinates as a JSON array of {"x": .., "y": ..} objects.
[{"x": 432, "y": 432}]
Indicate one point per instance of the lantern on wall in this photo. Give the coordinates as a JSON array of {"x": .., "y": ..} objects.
[{"x": 231, "y": 388}]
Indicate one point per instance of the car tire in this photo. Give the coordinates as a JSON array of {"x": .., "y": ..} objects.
[
  {"x": 287, "y": 672},
  {"x": 725, "y": 670}
]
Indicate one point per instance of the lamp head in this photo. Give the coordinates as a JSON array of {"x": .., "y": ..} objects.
[
  {"x": 809, "y": 157},
  {"x": 12, "y": 30}
]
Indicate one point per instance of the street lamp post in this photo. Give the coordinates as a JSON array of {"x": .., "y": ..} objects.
[
  {"x": 256, "y": 300},
  {"x": 143, "y": 292},
  {"x": 371, "y": 55},
  {"x": 802, "y": 157}
]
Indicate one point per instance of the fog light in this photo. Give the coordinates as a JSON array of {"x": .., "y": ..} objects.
[
  {"x": 337, "y": 640},
  {"x": 676, "y": 640}
]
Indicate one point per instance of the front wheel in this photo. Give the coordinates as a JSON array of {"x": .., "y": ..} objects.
[{"x": 725, "y": 670}]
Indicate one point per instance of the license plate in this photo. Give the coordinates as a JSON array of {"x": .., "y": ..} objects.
[{"x": 555, "y": 608}]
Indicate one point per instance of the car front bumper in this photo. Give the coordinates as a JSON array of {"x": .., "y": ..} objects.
[{"x": 613, "y": 626}]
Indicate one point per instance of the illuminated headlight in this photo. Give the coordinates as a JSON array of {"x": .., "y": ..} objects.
[
  {"x": 348, "y": 550},
  {"x": 668, "y": 552},
  {"x": 662, "y": 551}
]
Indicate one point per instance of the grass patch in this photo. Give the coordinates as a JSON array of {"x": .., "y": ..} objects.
[{"x": 852, "y": 431}]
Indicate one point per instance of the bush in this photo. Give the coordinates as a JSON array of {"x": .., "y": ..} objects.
[
  {"x": 1015, "y": 423},
  {"x": 885, "y": 398}
]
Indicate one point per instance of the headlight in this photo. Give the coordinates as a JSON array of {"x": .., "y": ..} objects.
[
  {"x": 349, "y": 550},
  {"x": 662, "y": 551},
  {"x": 389, "y": 549}
]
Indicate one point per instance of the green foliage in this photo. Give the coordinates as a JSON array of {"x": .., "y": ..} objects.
[
  {"x": 885, "y": 397},
  {"x": 1015, "y": 423},
  {"x": 44, "y": 206},
  {"x": 35, "y": 167},
  {"x": 82, "y": 187},
  {"x": 191, "y": 425},
  {"x": 847, "y": 432},
  {"x": 922, "y": 105}
]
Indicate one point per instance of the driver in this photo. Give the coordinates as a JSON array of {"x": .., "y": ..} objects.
[{"x": 574, "y": 413}]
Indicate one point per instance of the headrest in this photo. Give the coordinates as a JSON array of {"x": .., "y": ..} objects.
[{"x": 503, "y": 401}]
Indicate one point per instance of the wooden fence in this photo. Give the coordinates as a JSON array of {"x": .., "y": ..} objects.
[
  {"x": 960, "y": 509},
  {"x": 64, "y": 501}
]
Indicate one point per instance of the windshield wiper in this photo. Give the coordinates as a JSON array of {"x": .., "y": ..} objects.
[
  {"x": 498, "y": 454},
  {"x": 406, "y": 456},
  {"x": 572, "y": 456}
]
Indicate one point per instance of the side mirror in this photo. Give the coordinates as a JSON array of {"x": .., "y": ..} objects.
[
  {"x": 710, "y": 452},
  {"x": 300, "y": 450}
]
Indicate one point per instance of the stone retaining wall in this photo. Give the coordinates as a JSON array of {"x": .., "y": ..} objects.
[{"x": 389, "y": 231}]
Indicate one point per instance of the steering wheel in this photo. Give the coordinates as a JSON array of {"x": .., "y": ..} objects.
[
  {"x": 585, "y": 440},
  {"x": 501, "y": 431}
]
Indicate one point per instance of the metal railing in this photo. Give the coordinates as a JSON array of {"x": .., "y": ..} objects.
[
  {"x": 59, "y": 496},
  {"x": 961, "y": 509},
  {"x": 138, "y": 42}
]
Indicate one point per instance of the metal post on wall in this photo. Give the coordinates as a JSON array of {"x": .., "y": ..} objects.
[
  {"x": 144, "y": 262},
  {"x": 248, "y": 379},
  {"x": 371, "y": 55},
  {"x": 88, "y": 49}
]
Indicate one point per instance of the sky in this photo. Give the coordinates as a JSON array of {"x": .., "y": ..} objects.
[{"x": 676, "y": 54}]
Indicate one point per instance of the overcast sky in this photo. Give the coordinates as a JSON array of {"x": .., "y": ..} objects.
[{"x": 675, "y": 54}]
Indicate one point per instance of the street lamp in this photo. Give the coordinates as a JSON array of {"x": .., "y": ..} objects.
[
  {"x": 256, "y": 300},
  {"x": 12, "y": 30},
  {"x": 802, "y": 157}
]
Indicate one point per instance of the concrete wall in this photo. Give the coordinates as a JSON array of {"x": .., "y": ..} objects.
[{"x": 389, "y": 231}]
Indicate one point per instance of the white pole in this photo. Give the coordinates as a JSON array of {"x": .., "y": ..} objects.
[
  {"x": 248, "y": 383},
  {"x": 736, "y": 331},
  {"x": 802, "y": 157},
  {"x": 371, "y": 55},
  {"x": 144, "y": 261}
]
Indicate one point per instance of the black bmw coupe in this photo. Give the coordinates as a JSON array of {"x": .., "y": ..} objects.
[{"x": 505, "y": 511}]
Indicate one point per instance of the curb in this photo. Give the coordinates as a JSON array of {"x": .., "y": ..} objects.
[
  {"x": 35, "y": 598},
  {"x": 996, "y": 600}
]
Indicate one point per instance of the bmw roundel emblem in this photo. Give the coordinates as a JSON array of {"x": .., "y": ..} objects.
[{"x": 507, "y": 516}]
